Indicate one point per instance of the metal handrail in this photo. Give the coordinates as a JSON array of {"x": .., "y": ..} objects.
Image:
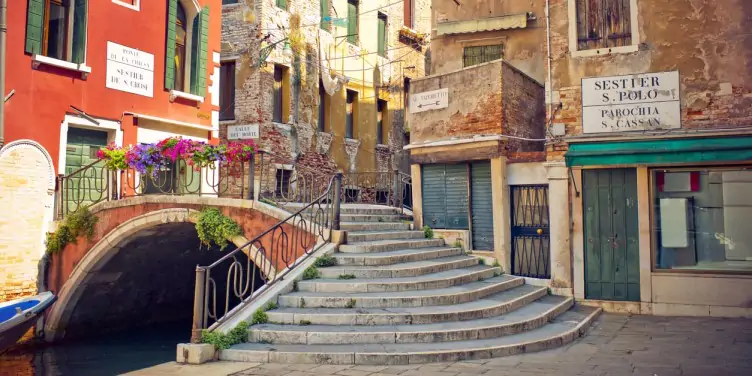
[{"x": 283, "y": 246}]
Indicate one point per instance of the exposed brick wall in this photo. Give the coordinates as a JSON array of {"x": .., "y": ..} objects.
[{"x": 523, "y": 110}]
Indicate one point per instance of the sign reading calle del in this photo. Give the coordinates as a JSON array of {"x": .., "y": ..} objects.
[
  {"x": 638, "y": 102},
  {"x": 429, "y": 100},
  {"x": 130, "y": 70},
  {"x": 242, "y": 132}
]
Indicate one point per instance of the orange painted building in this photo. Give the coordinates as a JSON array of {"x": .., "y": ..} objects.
[{"x": 84, "y": 73}]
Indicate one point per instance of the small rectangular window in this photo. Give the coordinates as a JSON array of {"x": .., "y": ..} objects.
[
  {"x": 603, "y": 24},
  {"x": 229, "y": 2},
  {"x": 278, "y": 97},
  {"x": 323, "y": 104},
  {"x": 352, "y": 102},
  {"x": 481, "y": 54},
  {"x": 351, "y": 194},
  {"x": 352, "y": 21},
  {"x": 382, "y": 34},
  {"x": 380, "y": 119},
  {"x": 283, "y": 182},
  {"x": 282, "y": 4},
  {"x": 408, "y": 13},
  {"x": 227, "y": 91}
]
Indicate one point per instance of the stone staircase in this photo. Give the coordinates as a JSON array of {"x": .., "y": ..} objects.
[{"x": 408, "y": 299}]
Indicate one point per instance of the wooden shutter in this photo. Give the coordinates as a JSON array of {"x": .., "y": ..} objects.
[
  {"x": 408, "y": 13},
  {"x": 324, "y": 11},
  {"x": 172, "y": 14},
  {"x": 34, "y": 29},
  {"x": 80, "y": 11},
  {"x": 203, "y": 51},
  {"x": 282, "y": 4},
  {"x": 382, "y": 35},
  {"x": 195, "y": 53},
  {"x": 352, "y": 21}
]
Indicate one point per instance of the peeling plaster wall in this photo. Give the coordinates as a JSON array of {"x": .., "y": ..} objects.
[
  {"x": 523, "y": 48},
  {"x": 707, "y": 41}
]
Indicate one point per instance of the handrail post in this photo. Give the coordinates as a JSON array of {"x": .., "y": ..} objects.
[
  {"x": 251, "y": 177},
  {"x": 337, "y": 200},
  {"x": 59, "y": 197},
  {"x": 198, "y": 305},
  {"x": 396, "y": 187}
]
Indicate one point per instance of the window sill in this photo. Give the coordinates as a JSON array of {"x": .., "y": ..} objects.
[
  {"x": 382, "y": 146},
  {"x": 606, "y": 51},
  {"x": 174, "y": 94},
  {"x": 135, "y": 7},
  {"x": 227, "y": 121},
  {"x": 37, "y": 60}
]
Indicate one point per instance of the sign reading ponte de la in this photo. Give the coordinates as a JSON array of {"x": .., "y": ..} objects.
[
  {"x": 637, "y": 102},
  {"x": 130, "y": 70}
]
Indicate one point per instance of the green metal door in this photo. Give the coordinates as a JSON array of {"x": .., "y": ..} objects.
[
  {"x": 84, "y": 186},
  {"x": 481, "y": 206},
  {"x": 445, "y": 196},
  {"x": 612, "y": 264}
]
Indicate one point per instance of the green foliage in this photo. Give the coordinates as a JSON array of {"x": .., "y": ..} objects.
[
  {"x": 305, "y": 322},
  {"x": 350, "y": 304},
  {"x": 270, "y": 306},
  {"x": 325, "y": 261},
  {"x": 302, "y": 303},
  {"x": 496, "y": 263},
  {"x": 80, "y": 222},
  {"x": 481, "y": 261},
  {"x": 311, "y": 273},
  {"x": 259, "y": 317},
  {"x": 222, "y": 341},
  {"x": 428, "y": 232},
  {"x": 458, "y": 244},
  {"x": 213, "y": 226},
  {"x": 295, "y": 286},
  {"x": 346, "y": 276}
]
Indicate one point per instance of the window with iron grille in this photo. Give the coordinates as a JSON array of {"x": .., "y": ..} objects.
[
  {"x": 352, "y": 102},
  {"x": 603, "y": 24},
  {"x": 283, "y": 182},
  {"x": 480, "y": 54}
]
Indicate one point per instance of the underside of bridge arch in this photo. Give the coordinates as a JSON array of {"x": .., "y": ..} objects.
[{"x": 146, "y": 279}]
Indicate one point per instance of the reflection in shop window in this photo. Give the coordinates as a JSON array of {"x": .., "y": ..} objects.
[{"x": 701, "y": 219}]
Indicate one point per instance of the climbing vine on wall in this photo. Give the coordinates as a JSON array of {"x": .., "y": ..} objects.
[
  {"x": 80, "y": 222},
  {"x": 214, "y": 227}
]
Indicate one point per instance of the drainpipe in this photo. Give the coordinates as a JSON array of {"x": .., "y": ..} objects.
[
  {"x": 3, "y": 32},
  {"x": 548, "y": 56}
]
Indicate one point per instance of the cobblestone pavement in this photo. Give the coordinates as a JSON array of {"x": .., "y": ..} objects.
[{"x": 616, "y": 345}]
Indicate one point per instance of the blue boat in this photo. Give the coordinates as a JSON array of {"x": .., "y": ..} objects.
[{"x": 17, "y": 316}]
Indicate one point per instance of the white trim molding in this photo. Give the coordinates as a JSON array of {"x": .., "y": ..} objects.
[
  {"x": 170, "y": 121},
  {"x": 135, "y": 6},
  {"x": 37, "y": 60},
  {"x": 634, "y": 25},
  {"x": 115, "y": 134},
  {"x": 188, "y": 96}
]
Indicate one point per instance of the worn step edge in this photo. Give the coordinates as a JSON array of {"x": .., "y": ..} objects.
[
  {"x": 543, "y": 338},
  {"x": 445, "y": 296},
  {"x": 374, "y": 226},
  {"x": 395, "y": 257},
  {"x": 417, "y": 315},
  {"x": 389, "y": 245},
  {"x": 484, "y": 328},
  {"x": 410, "y": 269},
  {"x": 370, "y": 218},
  {"x": 354, "y": 237},
  {"x": 426, "y": 282}
]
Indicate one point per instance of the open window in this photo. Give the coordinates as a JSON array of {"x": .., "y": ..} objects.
[
  {"x": 57, "y": 29},
  {"x": 187, "y": 47},
  {"x": 603, "y": 26}
]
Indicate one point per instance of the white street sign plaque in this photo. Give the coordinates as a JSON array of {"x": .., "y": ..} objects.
[
  {"x": 130, "y": 70},
  {"x": 429, "y": 100},
  {"x": 242, "y": 132}
]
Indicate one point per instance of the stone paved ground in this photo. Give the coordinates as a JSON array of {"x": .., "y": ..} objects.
[{"x": 617, "y": 345}]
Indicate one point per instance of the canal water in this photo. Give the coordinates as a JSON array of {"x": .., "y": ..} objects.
[{"x": 108, "y": 354}]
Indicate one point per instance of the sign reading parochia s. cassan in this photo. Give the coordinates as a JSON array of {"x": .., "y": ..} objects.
[
  {"x": 635, "y": 102},
  {"x": 130, "y": 70},
  {"x": 429, "y": 100}
]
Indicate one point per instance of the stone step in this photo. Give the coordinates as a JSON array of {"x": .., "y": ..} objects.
[
  {"x": 433, "y": 281},
  {"x": 389, "y": 245},
  {"x": 529, "y": 317},
  {"x": 379, "y": 218},
  {"x": 352, "y": 209},
  {"x": 562, "y": 330},
  {"x": 409, "y": 269},
  {"x": 490, "y": 306},
  {"x": 375, "y": 226},
  {"x": 367, "y": 236},
  {"x": 395, "y": 257},
  {"x": 401, "y": 299}
]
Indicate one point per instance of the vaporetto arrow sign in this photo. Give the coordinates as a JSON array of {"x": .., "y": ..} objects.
[{"x": 429, "y": 100}]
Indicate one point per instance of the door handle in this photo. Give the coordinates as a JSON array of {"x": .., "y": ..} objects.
[{"x": 539, "y": 231}]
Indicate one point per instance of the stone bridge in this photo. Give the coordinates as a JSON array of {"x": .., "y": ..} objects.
[{"x": 139, "y": 267}]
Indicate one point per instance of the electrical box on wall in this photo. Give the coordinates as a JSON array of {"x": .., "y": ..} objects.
[{"x": 557, "y": 129}]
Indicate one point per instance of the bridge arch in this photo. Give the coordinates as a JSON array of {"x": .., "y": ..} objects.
[{"x": 113, "y": 234}]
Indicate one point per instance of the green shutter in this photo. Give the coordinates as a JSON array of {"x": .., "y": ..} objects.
[
  {"x": 282, "y": 4},
  {"x": 203, "y": 51},
  {"x": 324, "y": 10},
  {"x": 80, "y": 11},
  {"x": 382, "y": 35},
  {"x": 172, "y": 14},
  {"x": 195, "y": 54},
  {"x": 34, "y": 31},
  {"x": 352, "y": 22}
]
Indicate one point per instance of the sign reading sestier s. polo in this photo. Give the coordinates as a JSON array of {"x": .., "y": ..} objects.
[
  {"x": 130, "y": 70},
  {"x": 429, "y": 100},
  {"x": 637, "y": 102}
]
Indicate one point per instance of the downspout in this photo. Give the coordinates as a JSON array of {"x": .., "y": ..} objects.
[
  {"x": 3, "y": 32},
  {"x": 548, "y": 56}
]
